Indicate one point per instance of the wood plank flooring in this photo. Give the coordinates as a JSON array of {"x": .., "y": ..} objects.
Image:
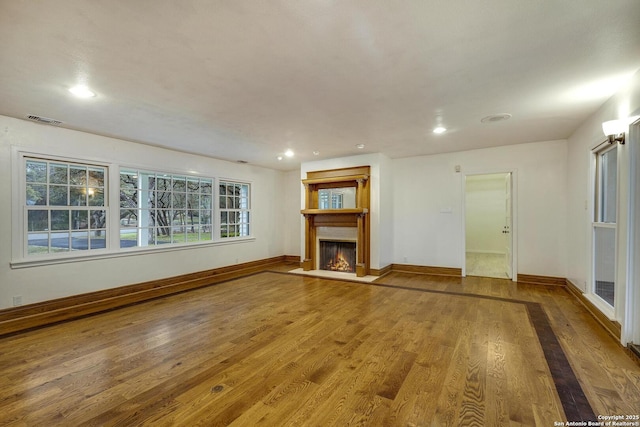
[{"x": 276, "y": 349}]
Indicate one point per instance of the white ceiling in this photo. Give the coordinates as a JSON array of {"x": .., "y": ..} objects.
[{"x": 247, "y": 79}]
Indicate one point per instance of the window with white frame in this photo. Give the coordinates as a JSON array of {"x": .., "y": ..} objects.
[
  {"x": 63, "y": 209},
  {"x": 604, "y": 225},
  {"x": 161, "y": 208},
  {"x": 235, "y": 205},
  {"x": 65, "y": 206}
]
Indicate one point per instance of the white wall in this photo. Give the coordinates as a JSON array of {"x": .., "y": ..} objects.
[
  {"x": 41, "y": 283},
  {"x": 291, "y": 212},
  {"x": 427, "y": 205},
  {"x": 385, "y": 222},
  {"x": 485, "y": 213}
]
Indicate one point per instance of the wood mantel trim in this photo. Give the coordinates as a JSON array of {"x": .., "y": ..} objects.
[
  {"x": 334, "y": 211},
  {"x": 357, "y": 217},
  {"x": 331, "y": 180},
  {"x": 334, "y": 173}
]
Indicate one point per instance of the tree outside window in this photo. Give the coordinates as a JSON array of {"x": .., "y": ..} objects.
[
  {"x": 159, "y": 209},
  {"x": 65, "y": 206},
  {"x": 234, "y": 209}
]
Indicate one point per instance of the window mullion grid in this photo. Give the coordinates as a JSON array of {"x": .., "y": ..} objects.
[{"x": 57, "y": 232}]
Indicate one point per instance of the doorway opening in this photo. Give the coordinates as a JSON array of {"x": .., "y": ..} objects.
[{"x": 488, "y": 225}]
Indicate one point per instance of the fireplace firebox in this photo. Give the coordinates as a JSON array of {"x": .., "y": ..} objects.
[{"x": 337, "y": 256}]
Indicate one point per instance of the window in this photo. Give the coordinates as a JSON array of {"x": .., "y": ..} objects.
[
  {"x": 62, "y": 210},
  {"x": 336, "y": 201},
  {"x": 65, "y": 206},
  {"x": 607, "y": 178},
  {"x": 159, "y": 209},
  {"x": 337, "y": 198},
  {"x": 330, "y": 199},
  {"x": 604, "y": 225},
  {"x": 234, "y": 209}
]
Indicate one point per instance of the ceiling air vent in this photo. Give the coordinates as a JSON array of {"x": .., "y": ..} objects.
[
  {"x": 496, "y": 118},
  {"x": 45, "y": 120}
]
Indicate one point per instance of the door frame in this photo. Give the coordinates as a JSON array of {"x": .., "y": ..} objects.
[
  {"x": 631, "y": 317},
  {"x": 514, "y": 217}
]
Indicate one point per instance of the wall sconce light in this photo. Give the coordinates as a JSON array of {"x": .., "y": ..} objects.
[{"x": 614, "y": 130}]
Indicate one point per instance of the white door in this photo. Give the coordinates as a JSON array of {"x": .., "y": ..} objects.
[
  {"x": 508, "y": 239},
  {"x": 488, "y": 231}
]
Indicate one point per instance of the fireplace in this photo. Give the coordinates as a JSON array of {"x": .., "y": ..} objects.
[
  {"x": 337, "y": 256},
  {"x": 319, "y": 214}
]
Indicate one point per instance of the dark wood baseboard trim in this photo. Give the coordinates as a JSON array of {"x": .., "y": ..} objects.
[
  {"x": 421, "y": 269},
  {"x": 381, "y": 271},
  {"x": 30, "y": 316},
  {"x": 292, "y": 258},
  {"x": 611, "y": 326},
  {"x": 17, "y": 319},
  {"x": 634, "y": 351},
  {"x": 541, "y": 280}
]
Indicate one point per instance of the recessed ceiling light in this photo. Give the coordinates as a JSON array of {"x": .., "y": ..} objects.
[
  {"x": 360, "y": 146},
  {"x": 288, "y": 153},
  {"x": 81, "y": 91},
  {"x": 316, "y": 153},
  {"x": 439, "y": 129},
  {"x": 496, "y": 118},
  {"x": 279, "y": 157}
]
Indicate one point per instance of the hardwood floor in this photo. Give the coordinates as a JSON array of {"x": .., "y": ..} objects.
[{"x": 284, "y": 350}]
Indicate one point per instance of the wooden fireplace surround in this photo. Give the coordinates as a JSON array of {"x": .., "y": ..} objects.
[{"x": 358, "y": 217}]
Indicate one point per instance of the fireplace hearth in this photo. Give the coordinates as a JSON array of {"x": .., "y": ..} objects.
[{"x": 337, "y": 256}]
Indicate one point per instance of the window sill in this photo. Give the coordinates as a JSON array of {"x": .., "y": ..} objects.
[{"x": 71, "y": 258}]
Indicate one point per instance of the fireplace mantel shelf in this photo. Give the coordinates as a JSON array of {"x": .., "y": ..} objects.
[
  {"x": 334, "y": 211},
  {"x": 335, "y": 180}
]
